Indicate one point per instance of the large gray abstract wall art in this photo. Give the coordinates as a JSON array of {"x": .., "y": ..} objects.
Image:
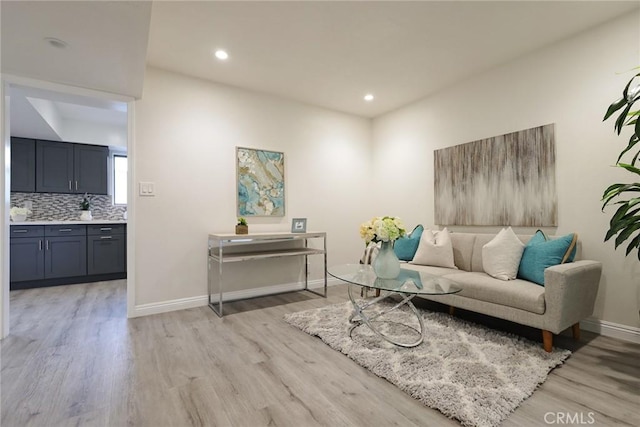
[{"x": 504, "y": 180}]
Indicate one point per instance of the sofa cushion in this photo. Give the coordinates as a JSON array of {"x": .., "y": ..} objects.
[
  {"x": 462, "y": 249},
  {"x": 406, "y": 247},
  {"x": 435, "y": 249},
  {"x": 517, "y": 293},
  {"x": 436, "y": 271},
  {"x": 541, "y": 252},
  {"x": 501, "y": 256}
]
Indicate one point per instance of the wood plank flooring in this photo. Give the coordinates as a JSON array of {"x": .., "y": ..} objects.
[{"x": 73, "y": 359}]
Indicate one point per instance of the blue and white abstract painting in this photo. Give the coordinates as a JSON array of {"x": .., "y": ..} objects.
[{"x": 260, "y": 182}]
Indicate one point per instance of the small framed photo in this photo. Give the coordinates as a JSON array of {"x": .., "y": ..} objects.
[{"x": 299, "y": 225}]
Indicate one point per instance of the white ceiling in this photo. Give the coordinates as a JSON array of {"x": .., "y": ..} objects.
[
  {"x": 332, "y": 53},
  {"x": 107, "y": 43},
  {"x": 323, "y": 53}
]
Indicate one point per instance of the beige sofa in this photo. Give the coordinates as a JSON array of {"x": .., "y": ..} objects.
[{"x": 567, "y": 297}]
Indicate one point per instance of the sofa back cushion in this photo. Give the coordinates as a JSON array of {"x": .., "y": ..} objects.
[
  {"x": 463, "y": 249},
  {"x": 467, "y": 249}
]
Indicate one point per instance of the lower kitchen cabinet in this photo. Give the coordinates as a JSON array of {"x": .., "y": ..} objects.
[
  {"x": 65, "y": 257},
  {"x": 27, "y": 258},
  {"x": 65, "y": 254},
  {"x": 106, "y": 254}
]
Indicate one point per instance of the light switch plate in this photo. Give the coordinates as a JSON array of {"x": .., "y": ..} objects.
[{"x": 147, "y": 188}]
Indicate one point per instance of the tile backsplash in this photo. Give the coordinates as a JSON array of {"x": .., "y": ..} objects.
[{"x": 66, "y": 207}]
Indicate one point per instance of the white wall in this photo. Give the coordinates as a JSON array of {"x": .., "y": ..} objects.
[
  {"x": 186, "y": 132},
  {"x": 571, "y": 84}
]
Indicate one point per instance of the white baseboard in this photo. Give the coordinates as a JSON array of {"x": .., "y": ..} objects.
[
  {"x": 610, "y": 329},
  {"x": 166, "y": 306},
  {"x": 202, "y": 300}
]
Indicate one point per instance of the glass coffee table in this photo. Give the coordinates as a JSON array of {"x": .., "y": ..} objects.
[{"x": 407, "y": 285}]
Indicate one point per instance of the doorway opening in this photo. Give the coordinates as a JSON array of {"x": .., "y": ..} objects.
[{"x": 80, "y": 137}]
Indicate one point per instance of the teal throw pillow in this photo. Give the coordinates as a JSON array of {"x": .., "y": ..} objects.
[
  {"x": 540, "y": 253},
  {"x": 406, "y": 247}
]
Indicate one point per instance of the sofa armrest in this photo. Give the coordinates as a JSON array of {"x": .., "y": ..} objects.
[{"x": 570, "y": 293}]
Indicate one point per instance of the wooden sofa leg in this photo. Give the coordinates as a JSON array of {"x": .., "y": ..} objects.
[
  {"x": 576, "y": 331},
  {"x": 547, "y": 340},
  {"x": 452, "y": 310}
]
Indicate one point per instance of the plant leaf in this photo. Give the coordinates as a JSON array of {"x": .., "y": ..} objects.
[
  {"x": 630, "y": 168},
  {"x": 620, "y": 120},
  {"x": 632, "y": 142},
  {"x": 634, "y": 244},
  {"x": 615, "y": 107}
]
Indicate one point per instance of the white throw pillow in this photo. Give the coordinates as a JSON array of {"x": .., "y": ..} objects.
[
  {"x": 501, "y": 256},
  {"x": 435, "y": 249}
]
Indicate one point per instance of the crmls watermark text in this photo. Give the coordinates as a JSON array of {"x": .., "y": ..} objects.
[{"x": 568, "y": 418}]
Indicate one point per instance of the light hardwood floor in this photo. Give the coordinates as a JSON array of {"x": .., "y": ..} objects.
[{"x": 73, "y": 359}]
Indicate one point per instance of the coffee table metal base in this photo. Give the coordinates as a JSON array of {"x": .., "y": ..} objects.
[{"x": 359, "y": 317}]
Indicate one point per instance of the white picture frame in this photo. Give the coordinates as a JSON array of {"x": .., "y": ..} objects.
[{"x": 299, "y": 225}]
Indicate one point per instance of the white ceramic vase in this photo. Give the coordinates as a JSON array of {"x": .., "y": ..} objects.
[{"x": 86, "y": 216}]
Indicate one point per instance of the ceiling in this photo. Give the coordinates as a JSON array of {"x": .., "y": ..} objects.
[
  {"x": 332, "y": 53},
  {"x": 328, "y": 54}
]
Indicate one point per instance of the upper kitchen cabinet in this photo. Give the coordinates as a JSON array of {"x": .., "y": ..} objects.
[
  {"x": 90, "y": 168},
  {"x": 23, "y": 165},
  {"x": 54, "y": 167},
  {"x": 71, "y": 168}
]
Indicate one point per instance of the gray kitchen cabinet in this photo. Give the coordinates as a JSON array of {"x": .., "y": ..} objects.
[
  {"x": 90, "y": 169},
  {"x": 54, "y": 167},
  {"x": 63, "y": 254},
  {"x": 27, "y": 258},
  {"x": 63, "y": 167},
  {"x": 106, "y": 249},
  {"x": 65, "y": 257},
  {"x": 23, "y": 165}
]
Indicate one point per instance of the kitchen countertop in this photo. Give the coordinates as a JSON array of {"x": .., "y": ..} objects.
[{"x": 70, "y": 222}]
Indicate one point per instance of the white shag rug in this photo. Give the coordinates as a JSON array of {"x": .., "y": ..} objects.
[{"x": 466, "y": 371}]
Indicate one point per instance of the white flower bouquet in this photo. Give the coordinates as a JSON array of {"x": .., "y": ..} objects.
[
  {"x": 382, "y": 229},
  {"x": 19, "y": 214}
]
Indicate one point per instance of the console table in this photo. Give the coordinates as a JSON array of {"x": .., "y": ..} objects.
[{"x": 219, "y": 254}]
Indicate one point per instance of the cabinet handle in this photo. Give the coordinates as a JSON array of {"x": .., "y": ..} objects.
[
  {"x": 47, "y": 244},
  {"x": 105, "y": 228},
  {"x": 39, "y": 245},
  {"x": 20, "y": 231},
  {"x": 69, "y": 185},
  {"x": 65, "y": 230},
  {"x": 76, "y": 185},
  {"x": 105, "y": 237}
]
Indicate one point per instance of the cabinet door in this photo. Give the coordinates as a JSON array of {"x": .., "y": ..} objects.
[
  {"x": 106, "y": 254},
  {"x": 90, "y": 169},
  {"x": 54, "y": 167},
  {"x": 23, "y": 165},
  {"x": 65, "y": 256},
  {"x": 27, "y": 259}
]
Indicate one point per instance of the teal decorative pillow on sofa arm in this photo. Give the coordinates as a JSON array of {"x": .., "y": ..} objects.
[
  {"x": 540, "y": 253},
  {"x": 406, "y": 247}
]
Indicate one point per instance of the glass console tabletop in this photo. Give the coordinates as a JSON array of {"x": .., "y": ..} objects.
[{"x": 400, "y": 290}]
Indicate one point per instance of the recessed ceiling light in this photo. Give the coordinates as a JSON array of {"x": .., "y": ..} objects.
[
  {"x": 368, "y": 97},
  {"x": 57, "y": 43},
  {"x": 221, "y": 54}
]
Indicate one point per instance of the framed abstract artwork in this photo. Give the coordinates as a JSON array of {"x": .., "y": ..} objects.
[
  {"x": 504, "y": 180},
  {"x": 260, "y": 182}
]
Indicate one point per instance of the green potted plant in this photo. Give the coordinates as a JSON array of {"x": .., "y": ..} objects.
[
  {"x": 85, "y": 208},
  {"x": 242, "y": 227},
  {"x": 625, "y": 223}
]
